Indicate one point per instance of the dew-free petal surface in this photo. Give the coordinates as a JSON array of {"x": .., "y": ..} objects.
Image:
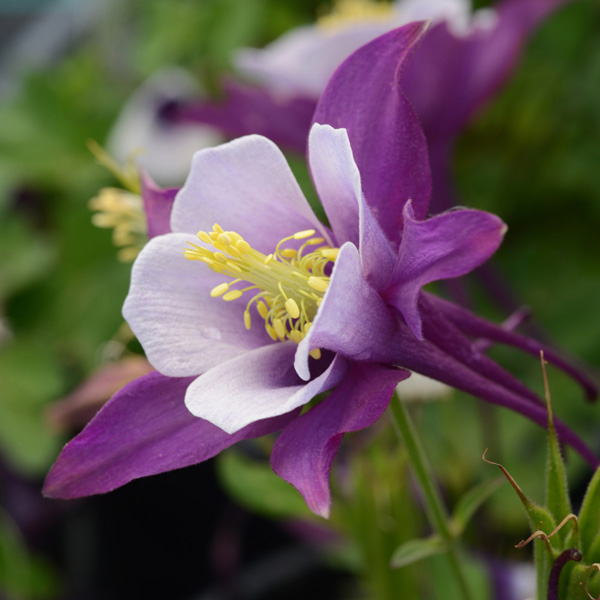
[
  {"x": 255, "y": 386},
  {"x": 181, "y": 328},
  {"x": 143, "y": 430},
  {"x": 305, "y": 449},
  {"x": 245, "y": 186}
]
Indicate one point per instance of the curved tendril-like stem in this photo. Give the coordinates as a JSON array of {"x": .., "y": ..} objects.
[
  {"x": 545, "y": 537},
  {"x": 435, "y": 507}
]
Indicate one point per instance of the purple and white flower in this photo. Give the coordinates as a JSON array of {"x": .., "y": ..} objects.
[{"x": 251, "y": 307}]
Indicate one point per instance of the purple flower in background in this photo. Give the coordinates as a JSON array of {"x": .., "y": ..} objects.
[{"x": 462, "y": 61}]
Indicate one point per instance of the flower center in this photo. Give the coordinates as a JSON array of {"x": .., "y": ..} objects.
[
  {"x": 288, "y": 285},
  {"x": 350, "y": 12}
]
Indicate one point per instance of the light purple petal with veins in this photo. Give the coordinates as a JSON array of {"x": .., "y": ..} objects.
[
  {"x": 182, "y": 329},
  {"x": 352, "y": 319},
  {"x": 255, "y": 386},
  {"x": 449, "y": 245},
  {"x": 245, "y": 186},
  {"x": 305, "y": 449},
  {"x": 158, "y": 203},
  {"x": 337, "y": 182},
  {"x": 364, "y": 97},
  {"x": 143, "y": 430}
]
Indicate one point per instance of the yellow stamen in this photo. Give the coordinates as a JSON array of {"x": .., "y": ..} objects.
[
  {"x": 219, "y": 290},
  {"x": 289, "y": 286},
  {"x": 316, "y": 353}
]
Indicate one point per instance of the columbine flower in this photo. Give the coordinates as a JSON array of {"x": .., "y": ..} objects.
[
  {"x": 251, "y": 307},
  {"x": 462, "y": 62}
]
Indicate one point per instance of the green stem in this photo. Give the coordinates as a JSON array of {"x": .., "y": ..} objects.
[{"x": 436, "y": 511}]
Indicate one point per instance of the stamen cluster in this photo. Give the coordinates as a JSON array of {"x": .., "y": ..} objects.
[
  {"x": 123, "y": 212},
  {"x": 289, "y": 284}
]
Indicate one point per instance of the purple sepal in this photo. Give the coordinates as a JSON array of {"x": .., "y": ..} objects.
[
  {"x": 247, "y": 109},
  {"x": 157, "y": 205},
  {"x": 363, "y": 96},
  {"x": 304, "y": 451},
  {"x": 143, "y": 430},
  {"x": 446, "y": 246}
]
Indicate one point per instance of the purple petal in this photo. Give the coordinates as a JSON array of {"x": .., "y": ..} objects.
[
  {"x": 157, "y": 205},
  {"x": 337, "y": 182},
  {"x": 248, "y": 109},
  {"x": 257, "y": 385},
  {"x": 245, "y": 186},
  {"x": 446, "y": 246},
  {"x": 143, "y": 430},
  {"x": 363, "y": 96},
  {"x": 304, "y": 451},
  {"x": 352, "y": 319},
  {"x": 169, "y": 308},
  {"x": 450, "y": 76}
]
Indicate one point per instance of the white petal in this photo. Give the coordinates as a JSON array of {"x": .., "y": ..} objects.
[
  {"x": 245, "y": 186},
  {"x": 181, "y": 328},
  {"x": 257, "y": 386}
]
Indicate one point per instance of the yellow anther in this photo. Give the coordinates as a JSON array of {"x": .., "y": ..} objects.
[
  {"x": 219, "y": 290},
  {"x": 292, "y": 307},
  {"x": 296, "y": 336},
  {"x": 320, "y": 284},
  {"x": 300, "y": 235},
  {"x": 243, "y": 246},
  {"x": 232, "y": 295},
  {"x": 233, "y": 266},
  {"x": 289, "y": 253},
  {"x": 314, "y": 242},
  {"x": 331, "y": 253},
  {"x": 279, "y": 328},
  {"x": 225, "y": 239},
  {"x": 204, "y": 237},
  {"x": 222, "y": 258},
  {"x": 262, "y": 309},
  {"x": 272, "y": 333},
  {"x": 247, "y": 321},
  {"x": 213, "y": 236},
  {"x": 268, "y": 259},
  {"x": 219, "y": 246},
  {"x": 316, "y": 353},
  {"x": 217, "y": 228}
]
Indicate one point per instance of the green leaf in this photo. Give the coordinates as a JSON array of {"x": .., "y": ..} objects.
[
  {"x": 31, "y": 377},
  {"x": 415, "y": 550},
  {"x": 254, "y": 485},
  {"x": 589, "y": 517},
  {"x": 557, "y": 490},
  {"x": 471, "y": 501}
]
